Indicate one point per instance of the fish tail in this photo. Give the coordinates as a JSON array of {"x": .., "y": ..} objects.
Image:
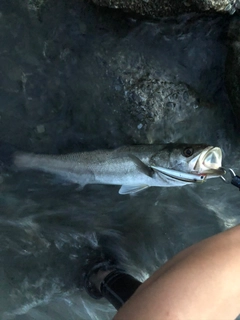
[{"x": 24, "y": 160}]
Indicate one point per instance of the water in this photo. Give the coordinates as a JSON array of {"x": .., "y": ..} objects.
[{"x": 74, "y": 77}]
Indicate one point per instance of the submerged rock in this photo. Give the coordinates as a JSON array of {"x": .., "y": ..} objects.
[
  {"x": 154, "y": 101},
  {"x": 233, "y": 67},
  {"x": 156, "y": 8}
]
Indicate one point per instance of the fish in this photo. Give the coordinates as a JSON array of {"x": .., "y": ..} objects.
[{"x": 134, "y": 168}]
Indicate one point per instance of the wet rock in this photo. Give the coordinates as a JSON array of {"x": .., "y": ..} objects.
[
  {"x": 35, "y": 5},
  {"x": 153, "y": 102},
  {"x": 233, "y": 67},
  {"x": 164, "y": 90},
  {"x": 40, "y": 128},
  {"x": 102, "y": 81},
  {"x": 156, "y": 8}
]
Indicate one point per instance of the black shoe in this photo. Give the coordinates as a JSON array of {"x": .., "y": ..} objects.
[{"x": 100, "y": 263}]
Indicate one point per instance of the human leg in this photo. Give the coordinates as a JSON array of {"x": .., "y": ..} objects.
[{"x": 201, "y": 282}]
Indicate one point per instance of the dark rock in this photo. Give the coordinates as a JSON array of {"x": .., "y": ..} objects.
[
  {"x": 233, "y": 67},
  {"x": 6, "y": 155},
  {"x": 160, "y": 8}
]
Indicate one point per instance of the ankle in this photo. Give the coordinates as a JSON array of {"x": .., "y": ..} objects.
[{"x": 97, "y": 278}]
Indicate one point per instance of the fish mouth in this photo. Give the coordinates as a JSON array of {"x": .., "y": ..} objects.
[{"x": 208, "y": 163}]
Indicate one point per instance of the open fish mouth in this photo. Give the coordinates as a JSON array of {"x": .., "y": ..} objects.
[{"x": 207, "y": 164}]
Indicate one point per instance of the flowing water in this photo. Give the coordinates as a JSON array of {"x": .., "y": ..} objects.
[{"x": 64, "y": 86}]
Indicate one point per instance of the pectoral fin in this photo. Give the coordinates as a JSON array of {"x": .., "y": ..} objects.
[
  {"x": 142, "y": 166},
  {"x": 128, "y": 189}
]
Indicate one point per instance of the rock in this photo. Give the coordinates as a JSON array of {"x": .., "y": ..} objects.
[
  {"x": 168, "y": 77},
  {"x": 40, "y": 128},
  {"x": 155, "y": 102},
  {"x": 233, "y": 67},
  {"x": 1, "y": 179},
  {"x": 35, "y": 5},
  {"x": 159, "y": 8}
]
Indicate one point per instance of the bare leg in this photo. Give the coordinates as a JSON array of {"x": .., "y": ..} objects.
[{"x": 201, "y": 282}]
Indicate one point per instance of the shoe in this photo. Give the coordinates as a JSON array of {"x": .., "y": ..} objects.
[{"x": 100, "y": 263}]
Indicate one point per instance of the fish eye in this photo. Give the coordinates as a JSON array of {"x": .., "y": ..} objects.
[{"x": 188, "y": 152}]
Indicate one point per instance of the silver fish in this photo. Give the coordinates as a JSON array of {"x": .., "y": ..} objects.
[{"x": 134, "y": 168}]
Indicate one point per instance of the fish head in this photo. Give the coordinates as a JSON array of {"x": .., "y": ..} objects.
[{"x": 190, "y": 163}]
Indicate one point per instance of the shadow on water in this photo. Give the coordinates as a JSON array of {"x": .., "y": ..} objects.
[{"x": 65, "y": 86}]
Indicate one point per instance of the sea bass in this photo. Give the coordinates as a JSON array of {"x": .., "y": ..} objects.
[{"x": 133, "y": 167}]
